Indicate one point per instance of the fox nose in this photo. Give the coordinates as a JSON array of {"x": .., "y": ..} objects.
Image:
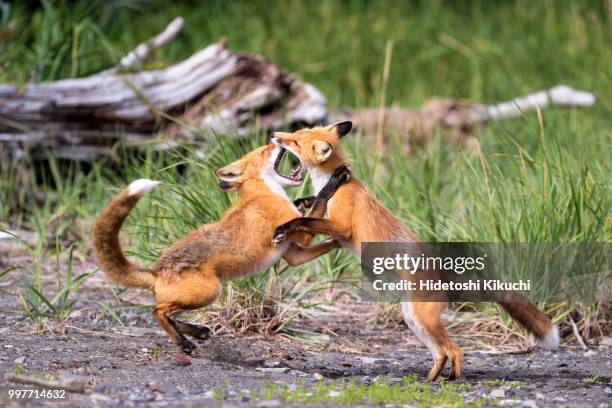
[{"x": 224, "y": 185}]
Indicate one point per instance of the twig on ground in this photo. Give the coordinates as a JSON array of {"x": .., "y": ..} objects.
[
  {"x": 577, "y": 333},
  {"x": 68, "y": 383}
]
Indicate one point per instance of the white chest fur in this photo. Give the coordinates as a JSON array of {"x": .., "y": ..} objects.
[{"x": 319, "y": 179}]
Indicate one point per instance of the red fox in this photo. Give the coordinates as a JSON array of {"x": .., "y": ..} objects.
[
  {"x": 189, "y": 274},
  {"x": 355, "y": 216}
]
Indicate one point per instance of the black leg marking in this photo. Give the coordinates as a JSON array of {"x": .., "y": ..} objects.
[
  {"x": 340, "y": 176},
  {"x": 185, "y": 345},
  {"x": 193, "y": 330}
]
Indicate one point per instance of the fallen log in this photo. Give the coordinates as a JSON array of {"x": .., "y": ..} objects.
[
  {"x": 460, "y": 120},
  {"x": 215, "y": 91}
]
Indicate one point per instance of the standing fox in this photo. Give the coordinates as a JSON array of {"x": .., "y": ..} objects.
[
  {"x": 189, "y": 274},
  {"x": 354, "y": 216}
]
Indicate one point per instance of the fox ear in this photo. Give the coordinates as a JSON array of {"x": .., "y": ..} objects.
[
  {"x": 230, "y": 175},
  {"x": 341, "y": 128},
  {"x": 231, "y": 172},
  {"x": 322, "y": 150}
]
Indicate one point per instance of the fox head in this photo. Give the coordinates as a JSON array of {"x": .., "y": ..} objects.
[
  {"x": 260, "y": 164},
  {"x": 318, "y": 148}
]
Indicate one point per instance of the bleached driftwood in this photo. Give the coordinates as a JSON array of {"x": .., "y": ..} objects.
[
  {"x": 215, "y": 89},
  {"x": 459, "y": 119}
]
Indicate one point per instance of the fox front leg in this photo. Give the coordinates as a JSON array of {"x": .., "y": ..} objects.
[
  {"x": 309, "y": 225},
  {"x": 339, "y": 177}
]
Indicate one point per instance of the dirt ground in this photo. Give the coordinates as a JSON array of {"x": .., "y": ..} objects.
[{"x": 135, "y": 365}]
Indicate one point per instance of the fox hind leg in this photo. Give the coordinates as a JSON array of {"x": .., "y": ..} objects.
[
  {"x": 423, "y": 318},
  {"x": 162, "y": 313},
  {"x": 188, "y": 291}
]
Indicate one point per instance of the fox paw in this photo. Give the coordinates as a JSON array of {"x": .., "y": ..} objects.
[
  {"x": 187, "y": 347},
  {"x": 342, "y": 173},
  {"x": 303, "y": 203},
  {"x": 280, "y": 235}
]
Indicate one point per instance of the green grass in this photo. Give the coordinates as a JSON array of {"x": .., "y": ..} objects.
[
  {"x": 535, "y": 182},
  {"x": 408, "y": 391},
  {"x": 503, "y": 383}
]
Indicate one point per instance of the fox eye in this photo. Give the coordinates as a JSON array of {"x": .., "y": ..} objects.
[{"x": 296, "y": 143}]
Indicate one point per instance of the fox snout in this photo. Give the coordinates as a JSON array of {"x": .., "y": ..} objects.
[
  {"x": 275, "y": 141},
  {"x": 224, "y": 185}
]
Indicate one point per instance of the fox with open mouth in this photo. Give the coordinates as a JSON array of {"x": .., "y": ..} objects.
[
  {"x": 189, "y": 274},
  {"x": 354, "y": 216}
]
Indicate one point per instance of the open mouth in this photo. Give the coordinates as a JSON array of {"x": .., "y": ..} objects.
[{"x": 296, "y": 174}]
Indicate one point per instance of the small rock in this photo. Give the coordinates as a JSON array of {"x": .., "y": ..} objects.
[
  {"x": 269, "y": 404},
  {"x": 530, "y": 403},
  {"x": 334, "y": 394},
  {"x": 317, "y": 376},
  {"x": 182, "y": 359},
  {"x": 209, "y": 394},
  {"x": 19, "y": 360},
  {"x": 608, "y": 390},
  {"x": 590, "y": 353},
  {"x": 498, "y": 393},
  {"x": 75, "y": 314},
  {"x": 272, "y": 369},
  {"x": 370, "y": 360},
  {"x": 8, "y": 346},
  {"x": 539, "y": 395},
  {"x": 144, "y": 350}
]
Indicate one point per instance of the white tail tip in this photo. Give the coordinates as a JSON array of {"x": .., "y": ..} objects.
[
  {"x": 141, "y": 186},
  {"x": 551, "y": 340}
]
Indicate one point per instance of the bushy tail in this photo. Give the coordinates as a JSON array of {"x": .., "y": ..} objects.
[
  {"x": 106, "y": 238},
  {"x": 534, "y": 320}
]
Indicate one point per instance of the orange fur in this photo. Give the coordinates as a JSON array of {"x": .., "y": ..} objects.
[
  {"x": 189, "y": 274},
  {"x": 355, "y": 216}
]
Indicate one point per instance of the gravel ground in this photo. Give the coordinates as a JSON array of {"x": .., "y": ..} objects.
[{"x": 135, "y": 365}]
